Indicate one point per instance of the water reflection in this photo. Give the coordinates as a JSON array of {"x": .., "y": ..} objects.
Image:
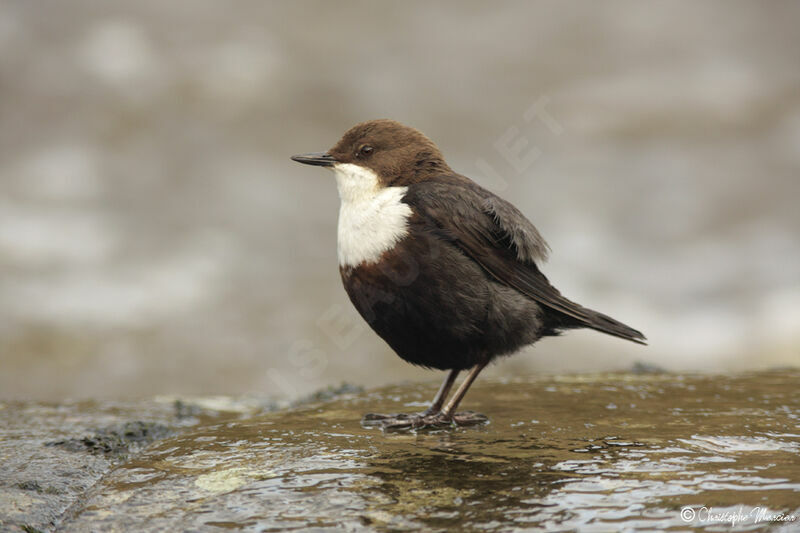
[{"x": 668, "y": 443}]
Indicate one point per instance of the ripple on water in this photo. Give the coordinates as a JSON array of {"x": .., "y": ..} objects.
[{"x": 581, "y": 466}]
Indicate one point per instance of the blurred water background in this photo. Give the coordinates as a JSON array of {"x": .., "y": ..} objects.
[{"x": 156, "y": 239}]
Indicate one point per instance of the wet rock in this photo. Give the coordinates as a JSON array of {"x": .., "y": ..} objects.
[
  {"x": 329, "y": 393},
  {"x": 213, "y": 407},
  {"x": 674, "y": 452},
  {"x": 117, "y": 439},
  {"x": 52, "y": 454},
  {"x": 641, "y": 367},
  {"x": 41, "y": 473}
]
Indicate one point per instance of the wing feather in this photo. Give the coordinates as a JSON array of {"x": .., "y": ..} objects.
[{"x": 497, "y": 236}]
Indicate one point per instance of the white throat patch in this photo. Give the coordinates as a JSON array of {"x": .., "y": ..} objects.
[{"x": 372, "y": 218}]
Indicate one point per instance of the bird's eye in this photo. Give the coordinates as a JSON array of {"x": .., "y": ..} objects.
[{"x": 364, "y": 150}]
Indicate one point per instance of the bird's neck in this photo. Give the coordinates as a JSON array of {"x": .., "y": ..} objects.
[{"x": 372, "y": 218}]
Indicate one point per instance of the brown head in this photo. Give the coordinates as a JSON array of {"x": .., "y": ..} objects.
[{"x": 399, "y": 155}]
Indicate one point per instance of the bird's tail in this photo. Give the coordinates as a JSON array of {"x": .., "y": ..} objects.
[
  {"x": 606, "y": 324},
  {"x": 570, "y": 315}
]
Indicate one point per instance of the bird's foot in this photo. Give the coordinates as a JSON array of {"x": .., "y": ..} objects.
[{"x": 421, "y": 421}]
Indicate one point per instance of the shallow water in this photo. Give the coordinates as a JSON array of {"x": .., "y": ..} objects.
[{"x": 595, "y": 453}]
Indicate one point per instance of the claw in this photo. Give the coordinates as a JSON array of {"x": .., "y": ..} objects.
[
  {"x": 420, "y": 421},
  {"x": 381, "y": 420}
]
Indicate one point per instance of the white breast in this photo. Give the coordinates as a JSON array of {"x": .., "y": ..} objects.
[{"x": 372, "y": 218}]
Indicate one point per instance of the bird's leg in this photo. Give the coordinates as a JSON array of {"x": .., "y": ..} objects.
[
  {"x": 441, "y": 396},
  {"x": 377, "y": 419},
  {"x": 433, "y": 418},
  {"x": 469, "y": 417}
]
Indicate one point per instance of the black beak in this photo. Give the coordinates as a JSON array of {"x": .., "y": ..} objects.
[{"x": 318, "y": 159}]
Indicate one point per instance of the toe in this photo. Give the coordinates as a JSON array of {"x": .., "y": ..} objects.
[
  {"x": 378, "y": 416},
  {"x": 470, "y": 418}
]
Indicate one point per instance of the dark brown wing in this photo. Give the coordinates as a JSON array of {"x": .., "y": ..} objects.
[{"x": 498, "y": 237}]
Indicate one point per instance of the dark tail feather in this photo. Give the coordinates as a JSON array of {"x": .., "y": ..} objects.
[{"x": 606, "y": 324}]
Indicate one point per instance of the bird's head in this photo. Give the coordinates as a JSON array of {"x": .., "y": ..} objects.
[{"x": 384, "y": 151}]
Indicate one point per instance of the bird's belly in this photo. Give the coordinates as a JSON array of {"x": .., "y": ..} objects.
[{"x": 435, "y": 307}]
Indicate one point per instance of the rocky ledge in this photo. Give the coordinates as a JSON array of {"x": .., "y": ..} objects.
[{"x": 632, "y": 451}]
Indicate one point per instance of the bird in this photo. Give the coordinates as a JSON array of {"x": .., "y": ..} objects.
[{"x": 446, "y": 272}]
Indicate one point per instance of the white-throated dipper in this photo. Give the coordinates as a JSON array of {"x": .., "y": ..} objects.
[{"x": 440, "y": 268}]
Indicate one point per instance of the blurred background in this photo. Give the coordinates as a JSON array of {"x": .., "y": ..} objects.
[{"x": 155, "y": 238}]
